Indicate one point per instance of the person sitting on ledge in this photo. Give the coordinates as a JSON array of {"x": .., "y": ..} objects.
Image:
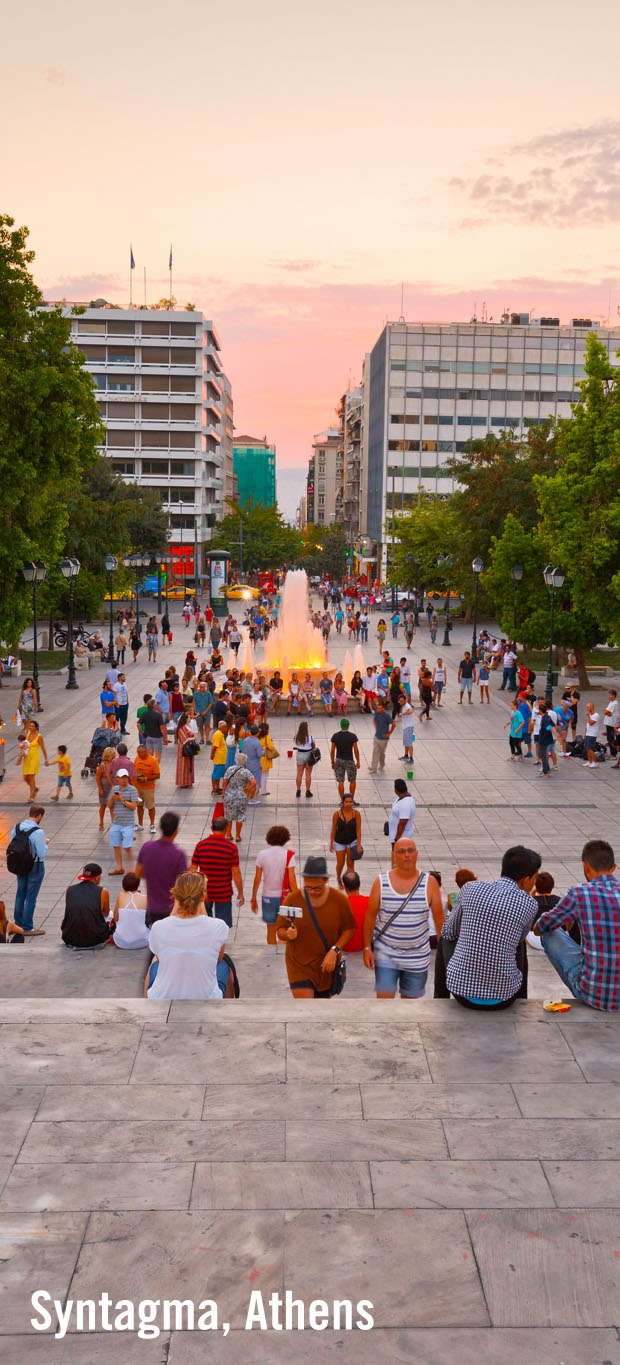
[
  {"x": 189, "y": 962},
  {"x": 591, "y": 969},
  {"x": 481, "y": 955},
  {"x": 87, "y": 906}
]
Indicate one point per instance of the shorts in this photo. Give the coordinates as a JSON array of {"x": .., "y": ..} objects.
[
  {"x": 121, "y": 836},
  {"x": 392, "y": 975},
  {"x": 154, "y": 746},
  {"x": 148, "y": 797},
  {"x": 270, "y": 906},
  {"x": 309, "y": 985},
  {"x": 407, "y": 737},
  {"x": 345, "y": 767},
  {"x": 342, "y": 848},
  {"x": 64, "y": 781},
  {"x": 222, "y": 973},
  {"x": 218, "y": 771},
  {"x": 466, "y": 684},
  {"x": 302, "y": 758},
  {"x": 203, "y": 718},
  {"x": 438, "y": 688}
]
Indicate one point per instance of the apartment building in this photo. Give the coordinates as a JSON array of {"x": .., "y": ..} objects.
[
  {"x": 160, "y": 388},
  {"x": 350, "y": 490},
  {"x": 432, "y": 387},
  {"x": 324, "y": 480},
  {"x": 254, "y": 464},
  {"x": 229, "y": 479}
]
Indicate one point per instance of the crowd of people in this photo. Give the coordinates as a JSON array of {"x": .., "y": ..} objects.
[{"x": 180, "y": 904}]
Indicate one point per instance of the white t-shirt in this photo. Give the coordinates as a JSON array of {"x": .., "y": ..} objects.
[
  {"x": 369, "y": 683},
  {"x": 272, "y": 861},
  {"x": 406, "y": 716},
  {"x": 509, "y": 659},
  {"x": 188, "y": 952},
  {"x": 611, "y": 713},
  {"x": 403, "y": 809},
  {"x": 593, "y": 724},
  {"x": 405, "y": 674}
]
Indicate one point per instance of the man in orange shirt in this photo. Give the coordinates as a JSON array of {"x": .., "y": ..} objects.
[{"x": 147, "y": 773}]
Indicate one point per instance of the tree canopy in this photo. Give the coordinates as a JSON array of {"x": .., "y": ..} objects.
[{"x": 268, "y": 540}]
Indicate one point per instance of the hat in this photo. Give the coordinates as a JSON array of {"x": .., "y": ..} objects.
[
  {"x": 344, "y": 724},
  {"x": 88, "y": 871},
  {"x": 316, "y": 866},
  {"x": 122, "y": 772}
]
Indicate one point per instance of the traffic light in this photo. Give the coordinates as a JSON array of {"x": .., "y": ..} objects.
[{"x": 347, "y": 554}]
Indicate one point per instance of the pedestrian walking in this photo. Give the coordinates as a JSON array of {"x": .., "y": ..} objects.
[
  {"x": 30, "y": 748},
  {"x": 25, "y": 858},
  {"x": 153, "y": 727},
  {"x": 381, "y": 632},
  {"x": 346, "y": 836},
  {"x": 160, "y": 862},
  {"x": 121, "y": 698},
  {"x": 104, "y": 782},
  {"x": 269, "y": 754},
  {"x": 64, "y": 772},
  {"x": 120, "y": 644},
  {"x": 254, "y": 754},
  {"x": 515, "y": 722},
  {"x": 483, "y": 680},
  {"x": 407, "y": 720},
  {"x": 593, "y": 721},
  {"x": 238, "y": 788},
  {"x": 314, "y": 939},
  {"x": 384, "y": 727},
  {"x": 396, "y": 925},
  {"x": 304, "y": 745},
  {"x": 217, "y": 858},
  {"x": 426, "y": 694},
  {"x": 432, "y": 626},
  {"x": 466, "y": 677},
  {"x": 219, "y": 755},
  {"x": 610, "y": 719},
  {"x": 187, "y": 747},
  {"x": 135, "y": 643},
  {"x": 345, "y": 757},
  {"x": 123, "y": 804},
  {"x": 440, "y": 678},
  {"x": 27, "y": 705},
  {"x": 147, "y": 773},
  {"x": 275, "y": 866},
  {"x": 152, "y": 639}
]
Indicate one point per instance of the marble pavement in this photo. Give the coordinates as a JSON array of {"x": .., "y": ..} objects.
[{"x": 463, "y": 1177}]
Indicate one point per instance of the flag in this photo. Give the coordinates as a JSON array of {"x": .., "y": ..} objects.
[
  {"x": 170, "y": 259},
  {"x": 132, "y": 264}
]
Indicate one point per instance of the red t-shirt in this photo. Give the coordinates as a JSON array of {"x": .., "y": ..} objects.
[
  {"x": 359, "y": 906},
  {"x": 215, "y": 857}
]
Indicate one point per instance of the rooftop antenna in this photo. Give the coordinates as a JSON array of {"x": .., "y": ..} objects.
[
  {"x": 484, "y": 310},
  {"x": 475, "y": 318},
  {"x": 402, "y": 303}
]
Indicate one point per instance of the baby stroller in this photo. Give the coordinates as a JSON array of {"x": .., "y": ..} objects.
[{"x": 103, "y": 738}]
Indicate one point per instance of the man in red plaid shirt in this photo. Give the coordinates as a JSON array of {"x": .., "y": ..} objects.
[{"x": 591, "y": 969}]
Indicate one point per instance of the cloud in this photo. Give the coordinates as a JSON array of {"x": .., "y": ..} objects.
[
  {"x": 566, "y": 179},
  {"x": 82, "y": 287},
  {"x": 297, "y": 267},
  {"x": 57, "y": 75}
]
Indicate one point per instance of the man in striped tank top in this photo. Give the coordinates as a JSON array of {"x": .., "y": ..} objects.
[{"x": 398, "y": 948}]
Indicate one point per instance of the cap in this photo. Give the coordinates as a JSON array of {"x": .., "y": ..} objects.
[
  {"x": 316, "y": 866},
  {"x": 88, "y": 871},
  {"x": 122, "y": 772}
]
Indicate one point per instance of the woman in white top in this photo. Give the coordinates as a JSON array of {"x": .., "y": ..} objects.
[
  {"x": 276, "y": 866},
  {"x": 407, "y": 722},
  {"x": 293, "y": 694},
  {"x": 129, "y": 915},
  {"x": 304, "y": 744},
  {"x": 189, "y": 948}
]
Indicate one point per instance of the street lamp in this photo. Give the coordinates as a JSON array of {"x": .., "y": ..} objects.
[
  {"x": 443, "y": 562},
  {"x": 516, "y": 574},
  {"x": 554, "y": 578},
  {"x": 415, "y": 559},
  {"x": 477, "y": 566},
  {"x": 111, "y": 565},
  {"x": 34, "y": 573},
  {"x": 136, "y": 561},
  {"x": 159, "y": 560},
  {"x": 70, "y": 569}
]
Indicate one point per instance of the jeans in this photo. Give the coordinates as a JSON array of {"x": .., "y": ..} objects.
[
  {"x": 506, "y": 680},
  {"x": 545, "y": 750},
  {"x": 26, "y": 896},
  {"x": 395, "y": 631},
  {"x": 121, "y": 657},
  {"x": 220, "y": 910},
  {"x": 121, "y": 716},
  {"x": 365, "y": 634},
  {"x": 566, "y": 956}
]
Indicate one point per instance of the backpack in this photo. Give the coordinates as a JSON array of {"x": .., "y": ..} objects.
[{"x": 20, "y": 858}]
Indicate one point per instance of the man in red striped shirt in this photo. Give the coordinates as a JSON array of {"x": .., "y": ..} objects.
[{"x": 218, "y": 859}]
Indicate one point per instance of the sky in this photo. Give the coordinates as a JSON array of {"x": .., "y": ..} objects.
[{"x": 318, "y": 168}]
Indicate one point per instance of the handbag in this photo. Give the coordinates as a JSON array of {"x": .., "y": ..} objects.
[
  {"x": 376, "y": 937},
  {"x": 356, "y": 854},
  {"x": 314, "y": 755},
  {"x": 190, "y": 748},
  {"x": 386, "y": 827},
  {"x": 340, "y": 970}
]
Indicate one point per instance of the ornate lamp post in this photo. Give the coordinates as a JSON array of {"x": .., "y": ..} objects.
[
  {"x": 160, "y": 559},
  {"x": 111, "y": 565},
  {"x": 516, "y": 574},
  {"x": 70, "y": 569},
  {"x": 443, "y": 562},
  {"x": 415, "y": 559},
  {"x": 554, "y": 578},
  {"x": 35, "y": 573},
  {"x": 477, "y": 566}
]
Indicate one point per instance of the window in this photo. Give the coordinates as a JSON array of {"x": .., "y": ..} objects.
[
  {"x": 155, "y": 329},
  {"x": 100, "y": 381},
  {"x": 182, "y": 469},
  {"x": 471, "y": 421},
  {"x": 118, "y": 328},
  {"x": 155, "y": 383},
  {"x": 183, "y": 329},
  {"x": 90, "y": 329},
  {"x": 179, "y": 495},
  {"x": 124, "y": 466},
  {"x": 154, "y": 412},
  {"x": 155, "y": 355},
  {"x": 183, "y": 383},
  {"x": 93, "y": 352},
  {"x": 155, "y": 438},
  {"x": 182, "y": 523},
  {"x": 118, "y": 439},
  {"x": 403, "y": 445},
  {"x": 125, "y": 357},
  {"x": 183, "y": 412},
  {"x": 122, "y": 410},
  {"x": 503, "y": 422},
  {"x": 183, "y": 440},
  {"x": 155, "y": 468},
  {"x": 183, "y": 356},
  {"x": 121, "y": 383},
  {"x": 411, "y": 418}
]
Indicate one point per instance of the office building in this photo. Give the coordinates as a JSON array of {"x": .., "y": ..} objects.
[
  {"x": 324, "y": 480},
  {"x": 432, "y": 387},
  {"x": 254, "y": 464},
  {"x": 159, "y": 383},
  {"x": 229, "y": 481}
]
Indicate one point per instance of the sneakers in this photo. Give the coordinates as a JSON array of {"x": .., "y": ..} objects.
[
  {"x": 152, "y": 830},
  {"x": 298, "y": 794},
  {"x": 53, "y": 798},
  {"x": 70, "y": 796},
  {"x": 309, "y": 793}
]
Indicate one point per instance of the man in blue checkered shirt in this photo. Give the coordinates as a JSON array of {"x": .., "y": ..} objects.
[{"x": 591, "y": 969}]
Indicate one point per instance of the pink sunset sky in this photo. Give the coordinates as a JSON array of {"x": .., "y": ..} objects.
[{"x": 305, "y": 161}]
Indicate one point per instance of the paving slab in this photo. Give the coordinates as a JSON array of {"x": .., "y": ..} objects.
[
  {"x": 579, "y": 1101},
  {"x": 282, "y": 1185},
  {"x": 545, "y": 1267},
  {"x": 210, "y": 1054},
  {"x": 97, "y": 1185},
  {"x": 96, "y": 1348},
  {"x": 533, "y": 1138},
  {"x": 460, "y": 1185},
  {"x": 283, "y": 1100},
  {"x": 32, "y": 1053},
  {"x": 176, "y": 1102},
  {"x": 406, "y": 1100},
  {"x": 37, "y": 1250},
  {"x": 575, "y": 1183},
  {"x": 380, "y": 1053},
  {"x": 153, "y": 1140},
  {"x": 363, "y": 1140}
]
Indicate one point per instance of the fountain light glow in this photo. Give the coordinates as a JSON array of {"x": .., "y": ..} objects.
[{"x": 296, "y": 646}]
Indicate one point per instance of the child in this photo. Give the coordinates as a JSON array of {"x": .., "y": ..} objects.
[
  {"x": 483, "y": 679},
  {"x": 64, "y": 772},
  {"x": 516, "y": 723}
]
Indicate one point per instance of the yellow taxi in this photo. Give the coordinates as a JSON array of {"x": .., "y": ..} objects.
[
  {"x": 243, "y": 592},
  {"x": 180, "y": 594}
]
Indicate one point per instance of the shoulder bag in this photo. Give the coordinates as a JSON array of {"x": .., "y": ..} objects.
[
  {"x": 340, "y": 970},
  {"x": 314, "y": 754},
  {"x": 376, "y": 937}
]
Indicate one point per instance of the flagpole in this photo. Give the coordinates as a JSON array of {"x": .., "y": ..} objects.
[
  {"x": 170, "y": 271},
  {"x": 130, "y": 287},
  {"x": 145, "y": 286}
]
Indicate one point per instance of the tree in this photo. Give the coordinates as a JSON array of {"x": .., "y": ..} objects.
[
  {"x": 268, "y": 541},
  {"x": 49, "y": 427},
  {"x": 580, "y": 503},
  {"x": 163, "y": 305},
  {"x": 324, "y": 551},
  {"x": 429, "y": 530},
  {"x": 496, "y": 477}
]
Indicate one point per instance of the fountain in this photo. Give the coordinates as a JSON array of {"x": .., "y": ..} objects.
[{"x": 296, "y": 646}]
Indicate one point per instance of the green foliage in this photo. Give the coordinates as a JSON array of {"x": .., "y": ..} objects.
[
  {"x": 49, "y": 427},
  {"x": 325, "y": 551},
  {"x": 268, "y": 541},
  {"x": 580, "y": 501},
  {"x": 497, "y": 478},
  {"x": 429, "y": 530}
]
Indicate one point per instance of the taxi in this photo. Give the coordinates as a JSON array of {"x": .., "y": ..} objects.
[
  {"x": 180, "y": 594},
  {"x": 240, "y": 592}
]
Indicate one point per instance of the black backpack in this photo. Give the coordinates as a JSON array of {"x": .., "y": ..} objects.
[{"x": 20, "y": 858}]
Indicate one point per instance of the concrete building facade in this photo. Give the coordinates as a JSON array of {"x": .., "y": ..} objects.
[
  {"x": 324, "y": 481},
  {"x": 158, "y": 377},
  {"x": 432, "y": 387}
]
